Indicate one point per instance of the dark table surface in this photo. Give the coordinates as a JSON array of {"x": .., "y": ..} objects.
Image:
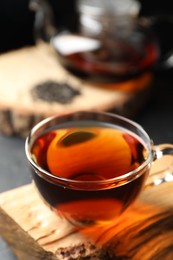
[{"x": 156, "y": 117}]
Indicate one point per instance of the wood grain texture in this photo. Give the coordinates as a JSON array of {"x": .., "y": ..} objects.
[
  {"x": 144, "y": 231},
  {"x": 23, "y": 69}
]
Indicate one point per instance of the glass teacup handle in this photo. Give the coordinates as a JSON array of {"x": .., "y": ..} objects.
[{"x": 162, "y": 165}]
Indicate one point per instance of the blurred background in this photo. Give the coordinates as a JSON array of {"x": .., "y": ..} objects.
[
  {"x": 16, "y": 31},
  {"x": 16, "y": 20},
  {"x": 16, "y": 28}
]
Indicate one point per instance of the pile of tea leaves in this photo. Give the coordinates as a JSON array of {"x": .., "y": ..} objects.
[{"x": 52, "y": 91}]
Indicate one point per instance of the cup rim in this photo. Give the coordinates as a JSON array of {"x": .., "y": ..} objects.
[{"x": 131, "y": 175}]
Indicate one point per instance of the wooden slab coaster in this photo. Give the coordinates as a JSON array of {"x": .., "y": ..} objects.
[
  {"x": 23, "y": 70},
  {"x": 145, "y": 231}
]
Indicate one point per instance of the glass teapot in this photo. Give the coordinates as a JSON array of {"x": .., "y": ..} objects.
[{"x": 106, "y": 42}]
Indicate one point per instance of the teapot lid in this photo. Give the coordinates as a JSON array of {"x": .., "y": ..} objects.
[{"x": 115, "y": 7}]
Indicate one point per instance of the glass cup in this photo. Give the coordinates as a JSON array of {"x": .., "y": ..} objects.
[{"x": 89, "y": 167}]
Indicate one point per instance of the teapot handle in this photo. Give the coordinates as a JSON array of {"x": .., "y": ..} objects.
[
  {"x": 44, "y": 23},
  {"x": 166, "y": 59}
]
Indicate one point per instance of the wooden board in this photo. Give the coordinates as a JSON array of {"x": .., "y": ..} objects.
[
  {"x": 22, "y": 70},
  {"x": 145, "y": 231}
]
